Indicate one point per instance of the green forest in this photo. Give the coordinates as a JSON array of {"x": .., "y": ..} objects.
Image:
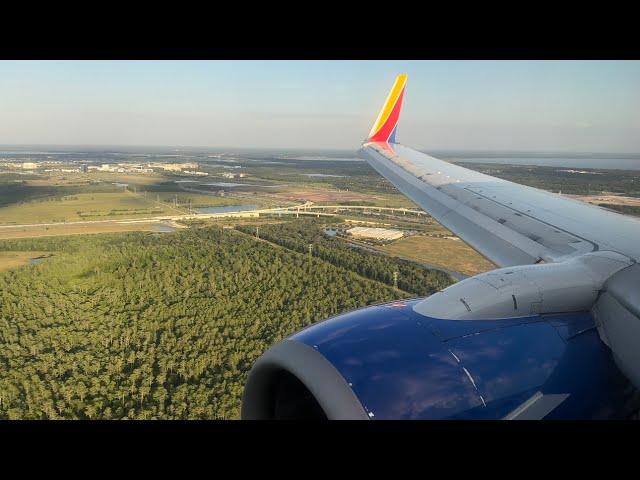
[
  {"x": 148, "y": 326},
  {"x": 299, "y": 234}
]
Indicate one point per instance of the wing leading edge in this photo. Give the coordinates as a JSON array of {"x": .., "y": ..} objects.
[{"x": 510, "y": 224}]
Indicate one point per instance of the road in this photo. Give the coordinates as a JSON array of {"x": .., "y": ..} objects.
[{"x": 307, "y": 208}]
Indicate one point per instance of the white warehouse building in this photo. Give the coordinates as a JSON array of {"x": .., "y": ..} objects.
[{"x": 377, "y": 233}]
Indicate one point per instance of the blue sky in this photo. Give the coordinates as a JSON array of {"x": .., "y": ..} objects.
[{"x": 581, "y": 106}]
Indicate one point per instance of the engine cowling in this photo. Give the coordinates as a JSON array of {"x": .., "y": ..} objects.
[
  {"x": 396, "y": 361},
  {"x": 617, "y": 314}
]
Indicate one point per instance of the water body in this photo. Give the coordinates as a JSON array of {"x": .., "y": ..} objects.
[
  {"x": 186, "y": 181},
  {"x": 163, "y": 228},
  {"x": 32, "y": 152},
  {"x": 322, "y": 158},
  {"x": 543, "y": 159},
  {"x": 226, "y": 184},
  {"x": 234, "y": 185},
  {"x": 228, "y": 208},
  {"x": 626, "y": 163},
  {"x": 323, "y": 175},
  {"x": 37, "y": 260}
]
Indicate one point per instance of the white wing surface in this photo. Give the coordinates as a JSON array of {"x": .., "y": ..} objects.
[{"x": 510, "y": 224}]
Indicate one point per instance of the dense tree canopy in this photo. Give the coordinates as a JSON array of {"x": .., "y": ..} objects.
[
  {"x": 299, "y": 234},
  {"x": 144, "y": 325}
]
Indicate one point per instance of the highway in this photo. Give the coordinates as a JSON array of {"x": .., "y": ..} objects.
[{"x": 307, "y": 208}]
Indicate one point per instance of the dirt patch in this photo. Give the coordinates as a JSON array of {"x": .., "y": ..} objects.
[
  {"x": 14, "y": 259},
  {"x": 55, "y": 230},
  {"x": 608, "y": 199},
  {"x": 321, "y": 196},
  {"x": 451, "y": 254}
]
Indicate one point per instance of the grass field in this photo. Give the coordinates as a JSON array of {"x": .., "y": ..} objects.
[
  {"x": 391, "y": 200},
  {"x": 139, "y": 180},
  {"x": 329, "y": 196},
  {"x": 9, "y": 260},
  {"x": 448, "y": 253},
  {"x": 84, "y": 206},
  {"x": 55, "y": 230},
  {"x": 197, "y": 199}
]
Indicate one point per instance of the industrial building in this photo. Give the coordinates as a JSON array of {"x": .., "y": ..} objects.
[
  {"x": 234, "y": 175},
  {"x": 173, "y": 167},
  {"x": 387, "y": 234}
]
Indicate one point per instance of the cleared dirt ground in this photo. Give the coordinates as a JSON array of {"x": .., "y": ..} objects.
[{"x": 452, "y": 254}]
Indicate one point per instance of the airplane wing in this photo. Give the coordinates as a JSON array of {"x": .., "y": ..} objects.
[
  {"x": 510, "y": 224},
  {"x": 554, "y": 333}
]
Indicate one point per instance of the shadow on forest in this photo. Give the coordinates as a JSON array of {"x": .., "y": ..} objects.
[{"x": 18, "y": 193}]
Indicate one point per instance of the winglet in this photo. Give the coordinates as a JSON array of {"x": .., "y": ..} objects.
[{"x": 384, "y": 129}]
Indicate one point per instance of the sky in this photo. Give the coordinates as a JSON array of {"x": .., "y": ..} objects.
[{"x": 557, "y": 106}]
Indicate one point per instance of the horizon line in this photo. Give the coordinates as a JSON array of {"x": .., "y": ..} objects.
[{"x": 354, "y": 150}]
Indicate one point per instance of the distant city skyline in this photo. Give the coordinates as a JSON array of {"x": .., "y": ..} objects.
[{"x": 560, "y": 106}]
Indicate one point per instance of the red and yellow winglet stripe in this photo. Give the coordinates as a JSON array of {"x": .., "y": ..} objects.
[{"x": 384, "y": 129}]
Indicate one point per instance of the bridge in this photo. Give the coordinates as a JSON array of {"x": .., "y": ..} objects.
[{"x": 307, "y": 208}]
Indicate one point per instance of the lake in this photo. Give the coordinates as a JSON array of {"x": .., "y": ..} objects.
[
  {"x": 37, "y": 260},
  {"x": 226, "y": 184},
  {"x": 323, "y": 175},
  {"x": 603, "y": 162},
  {"x": 163, "y": 228},
  {"x": 228, "y": 208}
]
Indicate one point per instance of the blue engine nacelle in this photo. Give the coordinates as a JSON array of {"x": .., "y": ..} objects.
[{"x": 390, "y": 362}]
